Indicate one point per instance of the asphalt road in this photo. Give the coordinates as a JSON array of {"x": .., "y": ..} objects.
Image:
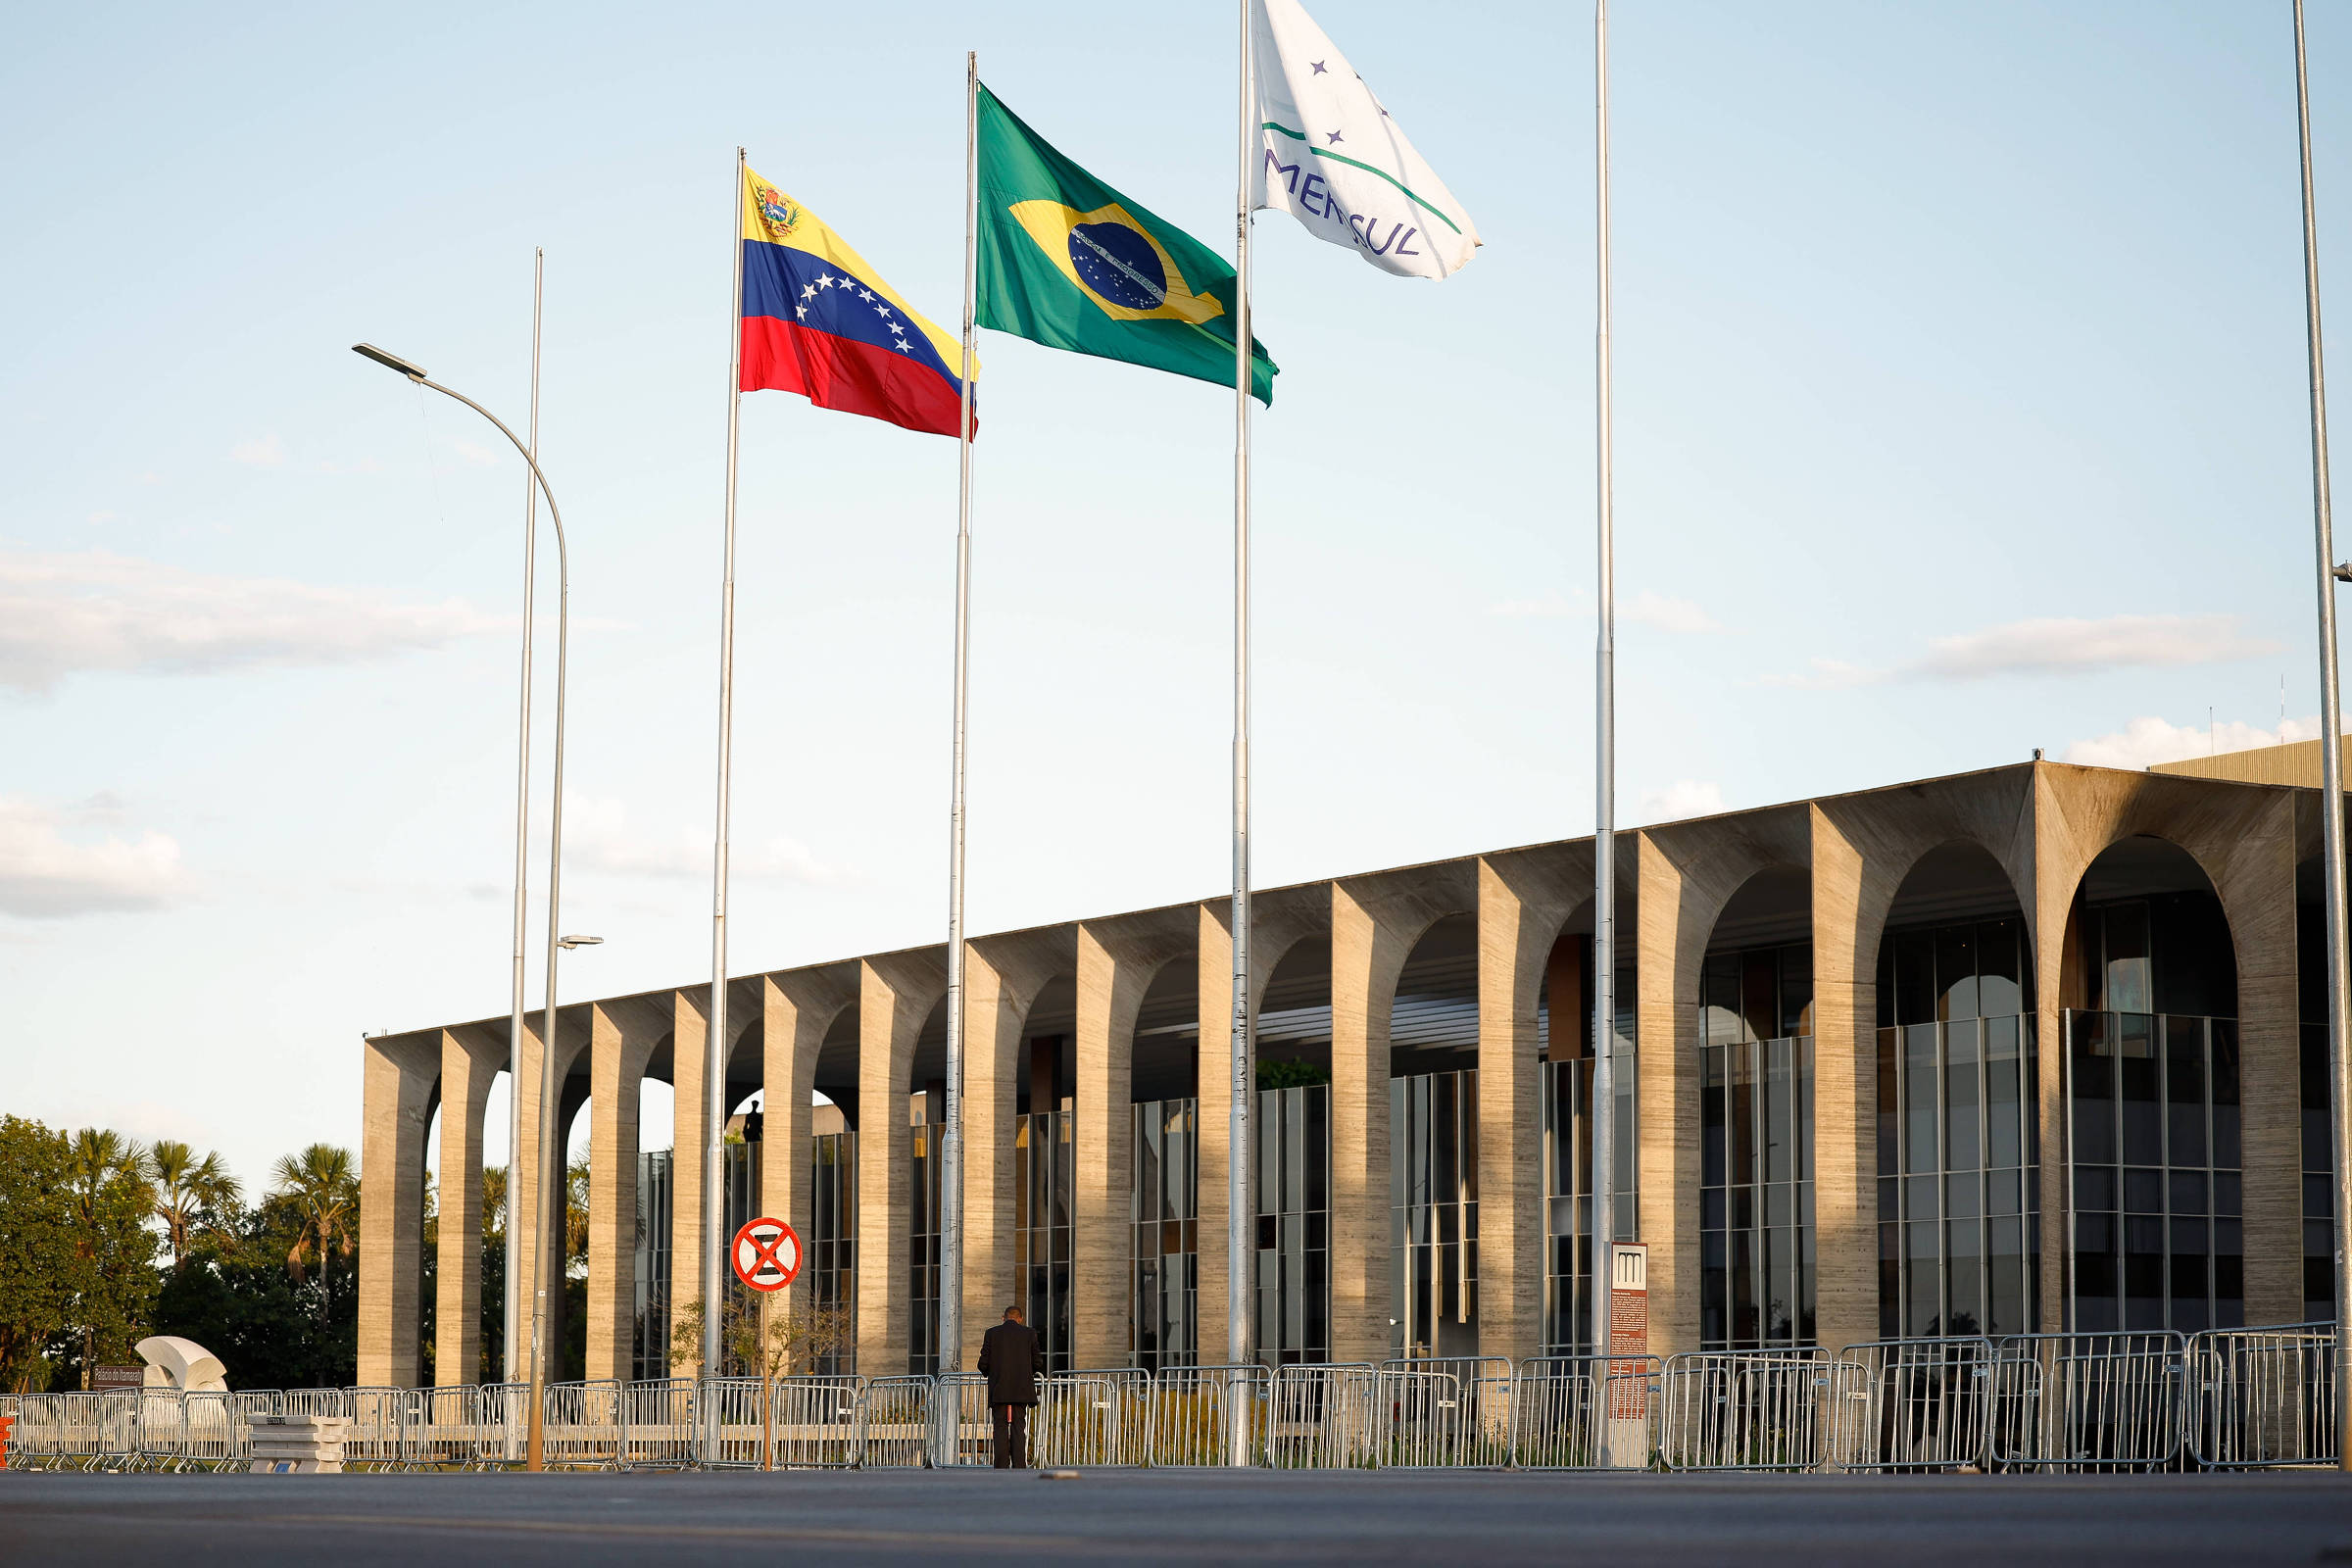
[{"x": 1173, "y": 1516}]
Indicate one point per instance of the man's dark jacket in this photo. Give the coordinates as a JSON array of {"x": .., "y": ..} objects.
[{"x": 1010, "y": 1358}]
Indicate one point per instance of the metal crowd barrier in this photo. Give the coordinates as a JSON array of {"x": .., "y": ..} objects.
[
  {"x": 957, "y": 1431},
  {"x": 659, "y": 1421},
  {"x": 1749, "y": 1409},
  {"x": 2236, "y": 1398},
  {"x": 1453, "y": 1412},
  {"x": 1913, "y": 1404},
  {"x": 1567, "y": 1413},
  {"x": 2263, "y": 1398},
  {"x": 581, "y": 1424},
  {"x": 2088, "y": 1401},
  {"x": 893, "y": 1421},
  {"x": 1090, "y": 1417},
  {"x": 1320, "y": 1418},
  {"x": 1195, "y": 1410}
]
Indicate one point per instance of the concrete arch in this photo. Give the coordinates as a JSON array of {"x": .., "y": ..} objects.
[
  {"x": 1279, "y": 919},
  {"x": 897, "y": 994},
  {"x": 1118, "y": 962},
  {"x": 2247, "y": 841},
  {"x": 800, "y": 1009}
]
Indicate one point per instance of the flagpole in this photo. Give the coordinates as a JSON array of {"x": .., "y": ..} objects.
[
  {"x": 511, "y": 1331},
  {"x": 714, "y": 1058},
  {"x": 2331, "y": 809},
  {"x": 951, "y": 1138},
  {"x": 1602, "y": 1240},
  {"x": 1241, "y": 1323}
]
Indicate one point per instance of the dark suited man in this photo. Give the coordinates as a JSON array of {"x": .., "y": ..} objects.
[{"x": 1010, "y": 1358}]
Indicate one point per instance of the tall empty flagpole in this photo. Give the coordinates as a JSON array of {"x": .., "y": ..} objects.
[
  {"x": 511, "y": 1335},
  {"x": 1241, "y": 1229},
  {"x": 714, "y": 1056},
  {"x": 951, "y": 1137},
  {"x": 2331, "y": 784},
  {"x": 1603, "y": 1237}
]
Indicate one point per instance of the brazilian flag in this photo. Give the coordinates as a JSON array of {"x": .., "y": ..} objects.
[{"x": 1067, "y": 262}]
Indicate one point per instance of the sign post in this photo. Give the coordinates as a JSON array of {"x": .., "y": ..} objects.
[{"x": 766, "y": 1255}]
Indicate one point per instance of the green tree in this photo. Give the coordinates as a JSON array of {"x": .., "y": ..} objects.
[
  {"x": 191, "y": 1195},
  {"x": 42, "y": 1265},
  {"x": 323, "y": 1190},
  {"x": 113, "y": 1201}
]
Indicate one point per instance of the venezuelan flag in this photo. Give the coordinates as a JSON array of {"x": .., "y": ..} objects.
[{"x": 819, "y": 322}]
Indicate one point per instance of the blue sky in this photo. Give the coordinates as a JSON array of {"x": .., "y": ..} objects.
[{"x": 1960, "y": 411}]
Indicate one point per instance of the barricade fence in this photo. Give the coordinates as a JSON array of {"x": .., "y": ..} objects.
[{"x": 2222, "y": 1399}]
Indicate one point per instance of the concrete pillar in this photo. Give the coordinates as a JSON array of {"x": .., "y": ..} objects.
[
  {"x": 472, "y": 1058},
  {"x": 2256, "y": 883},
  {"x": 799, "y": 1006},
  {"x": 1003, "y": 976},
  {"x": 1845, "y": 1091},
  {"x": 399, "y": 1074},
  {"x": 523, "y": 1179},
  {"x": 1375, "y": 922},
  {"x": 622, "y": 1035},
  {"x": 896, "y": 994},
  {"x": 1523, "y": 899},
  {"x": 1117, "y": 960},
  {"x": 1666, "y": 1038},
  {"x": 689, "y": 1042},
  {"x": 1279, "y": 919}
]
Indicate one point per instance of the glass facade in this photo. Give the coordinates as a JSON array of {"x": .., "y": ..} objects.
[
  {"x": 2158, "y": 1241},
  {"x": 1756, "y": 1129},
  {"x": 650, "y": 1339},
  {"x": 1162, "y": 1210},
  {"x": 1959, "y": 1141},
  {"x": 922, "y": 1239},
  {"x": 1433, "y": 1199},
  {"x": 1292, "y": 1132},
  {"x": 1043, "y": 1198},
  {"x": 2318, "y": 1182},
  {"x": 831, "y": 1267},
  {"x": 1565, "y": 1084},
  {"x": 2154, "y": 1165}
]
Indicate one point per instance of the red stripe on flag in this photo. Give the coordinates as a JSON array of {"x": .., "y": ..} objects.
[{"x": 835, "y": 372}]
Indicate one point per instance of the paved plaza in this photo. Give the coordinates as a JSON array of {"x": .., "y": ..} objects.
[{"x": 1148, "y": 1517}]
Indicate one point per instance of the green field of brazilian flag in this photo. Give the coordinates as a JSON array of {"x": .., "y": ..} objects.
[{"x": 1067, "y": 262}]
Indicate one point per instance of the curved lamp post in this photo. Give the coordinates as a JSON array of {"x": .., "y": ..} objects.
[{"x": 555, "y": 887}]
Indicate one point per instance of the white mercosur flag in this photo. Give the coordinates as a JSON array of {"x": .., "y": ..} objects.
[{"x": 1331, "y": 157}]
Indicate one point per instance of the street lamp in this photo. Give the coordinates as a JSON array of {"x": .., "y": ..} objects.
[{"x": 534, "y": 1459}]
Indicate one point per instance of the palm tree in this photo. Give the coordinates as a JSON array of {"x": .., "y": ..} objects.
[
  {"x": 100, "y": 1158},
  {"x": 188, "y": 1191},
  {"x": 494, "y": 1201},
  {"x": 325, "y": 1193},
  {"x": 575, "y": 1216}
]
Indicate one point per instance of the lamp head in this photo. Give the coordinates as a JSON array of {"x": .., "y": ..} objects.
[
  {"x": 392, "y": 362},
  {"x": 579, "y": 942}
]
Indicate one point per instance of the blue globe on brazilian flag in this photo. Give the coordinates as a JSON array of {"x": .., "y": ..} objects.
[{"x": 1067, "y": 262}]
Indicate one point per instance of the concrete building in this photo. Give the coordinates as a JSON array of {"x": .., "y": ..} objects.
[{"x": 2009, "y": 1050}]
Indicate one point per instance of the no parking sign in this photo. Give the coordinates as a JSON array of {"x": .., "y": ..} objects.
[{"x": 766, "y": 1254}]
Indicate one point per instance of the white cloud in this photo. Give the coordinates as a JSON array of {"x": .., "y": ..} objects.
[
  {"x": 2146, "y": 740},
  {"x": 2052, "y": 647},
  {"x": 93, "y": 611},
  {"x": 597, "y": 836},
  {"x": 2067, "y": 647},
  {"x": 1669, "y": 615},
  {"x": 44, "y": 875},
  {"x": 262, "y": 452},
  {"x": 1683, "y": 799}
]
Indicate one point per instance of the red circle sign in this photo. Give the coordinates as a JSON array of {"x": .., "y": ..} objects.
[{"x": 766, "y": 1254}]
